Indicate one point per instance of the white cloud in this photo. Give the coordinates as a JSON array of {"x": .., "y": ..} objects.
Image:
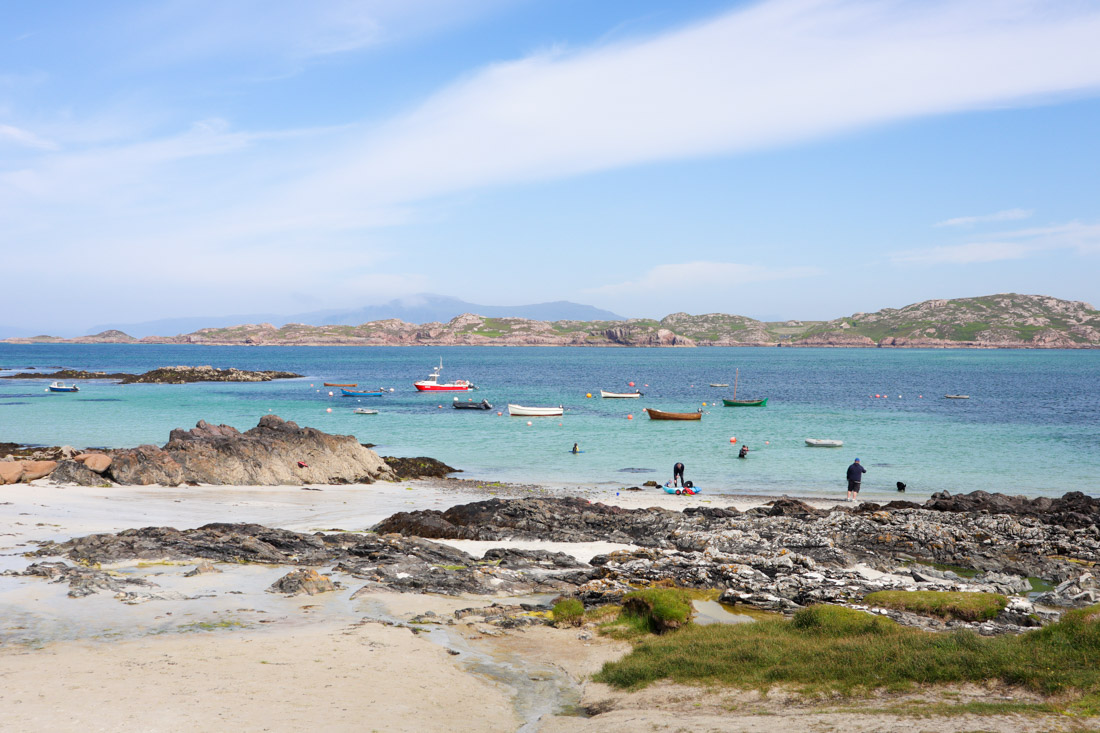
[
  {"x": 1006, "y": 215},
  {"x": 25, "y": 138},
  {"x": 1076, "y": 237}
]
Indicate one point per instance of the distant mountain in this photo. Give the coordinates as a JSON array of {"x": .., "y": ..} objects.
[
  {"x": 1003, "y": 321},
  {"x": 421, "y": 308}
]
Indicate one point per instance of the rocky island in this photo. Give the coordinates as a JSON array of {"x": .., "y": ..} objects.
[
  {"x": 1004, "y": 321},
  {"x": 164, "y": 375}
]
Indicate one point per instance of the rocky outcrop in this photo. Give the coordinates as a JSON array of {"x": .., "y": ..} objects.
[
  {"x": 1073, "y": 510},
  {"x": 307, "y": 581},
  {"x": 73, "y": 472},
  {"x": 274, "y": 453},
  {"x": 420, "y": 467},
  {"x": 12, "y": 472},
  {"x": 98, "y": 462},
  {"x": 188, "y": 374}
]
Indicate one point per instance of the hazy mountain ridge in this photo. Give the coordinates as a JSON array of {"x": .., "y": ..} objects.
[{"x": 993, "y": 321}]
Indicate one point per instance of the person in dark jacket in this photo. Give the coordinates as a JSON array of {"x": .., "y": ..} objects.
[
  {"x": 678, "y": 474},
  {"x": 855, "y": 476}
]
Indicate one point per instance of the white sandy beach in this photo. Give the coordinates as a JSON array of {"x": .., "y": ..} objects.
[{"x": 219, "y": 653}]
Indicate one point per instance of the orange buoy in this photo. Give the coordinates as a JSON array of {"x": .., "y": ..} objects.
[
  {"x": 589, "y": 395},
  {"x": 630, "y": 384},
  {"x": 499, "y": 414},
  {"x": 704, "y": 404},
  {"x": 733, "y": 440},
  {"x": 629, "y": 417}
]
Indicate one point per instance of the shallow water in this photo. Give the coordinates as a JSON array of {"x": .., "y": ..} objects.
[{"x": 1031, "y": 426}]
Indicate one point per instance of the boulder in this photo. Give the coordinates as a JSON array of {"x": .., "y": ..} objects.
[
  {"x": 98, "y": 462},
  {"x": 406, "y": 468},
  {"x": 274, "y": 453},
  {"x": 11, "y": 472},
  {"x": 307, "y": 581},
  {"x": 71, "y": 472},
  {"x": 37, "y": 469}
]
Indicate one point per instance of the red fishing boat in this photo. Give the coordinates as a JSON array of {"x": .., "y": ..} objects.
[{"x": 432, "y": 383}]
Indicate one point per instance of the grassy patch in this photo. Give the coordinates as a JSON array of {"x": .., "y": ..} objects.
[
  {"x": 944, "y": 604},
  {"x": 568, "y": 612},
  {"x": 450, "y": 567},
  {"x": 658, "y": 609},
  {"x": 836, "y": 649}
]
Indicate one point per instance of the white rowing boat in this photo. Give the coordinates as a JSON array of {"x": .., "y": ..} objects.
[
  {"x": 817, "y": 443},
  {"x": 521, "y": 411},
  {"x": 364, "y": 411},
  {"x": 620, "y": 395},
  {"x": 957, "y": 396}
]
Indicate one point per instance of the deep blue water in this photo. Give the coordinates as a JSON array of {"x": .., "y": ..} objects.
[{"x": 1032, "y": 424}]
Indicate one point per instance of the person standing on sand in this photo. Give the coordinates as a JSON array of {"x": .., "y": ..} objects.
[
  {"x": 678, "y": 473},
  {"x": 855, "y": 476}
]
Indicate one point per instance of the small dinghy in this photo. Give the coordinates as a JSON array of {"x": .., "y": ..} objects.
[
  {"x": 619, "y": 395},
  {"x": 364, "y": 411},
  {"x": 469, "y": 404},
  {"x": 817, "y": 443},
  {"x": 62, "y": 387},
  {"x": 662, "y": 415},
  {"x": 521, "y": 411},
  {"x": 956, "y": 396},
  {"x": 683, "y": 490}
]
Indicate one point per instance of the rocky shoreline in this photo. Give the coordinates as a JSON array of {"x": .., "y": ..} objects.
[{"x": 163, "y": 375}]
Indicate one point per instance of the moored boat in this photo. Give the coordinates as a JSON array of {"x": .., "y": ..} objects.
[
  {"x": 818, "y": 443},
  {"x": 957, "y": 396},
  {"x": 742, "y": 403},
  {"x": 718, "y": 384},
  {"x": 362, "y": 392},
  {"x": 662, "y": 415},
  {"x": 432, "y": 383},
  {"x": 469, "y": 404},
  {"x": 619, "y": 395},
  {"x": 62, "y": 387},
  {"x": 337, "y": 384},
  {"x": 364, "y": 411},
  {"x": 521, "y": 411}
]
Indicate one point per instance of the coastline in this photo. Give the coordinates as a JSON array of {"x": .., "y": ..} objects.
[{"x": 215, "y": 651}]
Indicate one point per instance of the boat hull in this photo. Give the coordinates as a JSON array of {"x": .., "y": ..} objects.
[
  {"x": 521, "y": 411},
  {"x": 745, "y": 403},
  {"x": 619, "y": 395},
  {"x": 354, "y": 393},
  {"x": 957, "y": 396},
  {"x": 443, "y": 387},
  {"x": 337, "y": 384},
  {"x": 483, "y": 405},
  {"x": 64, "y": 389},
  {"x": 681, "y": 492},
  {"x": 815, "y": 443},
  {"x": 662, "y": 415}
]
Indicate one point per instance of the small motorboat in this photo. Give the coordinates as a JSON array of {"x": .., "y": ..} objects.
[
  {"x": 817, "y": 443},
  {"x": 469, "y": 404},
  {"x": 957, "y": 396},
  {"x": 364, "y": 411},
  {"x": 362, "y": 393},
  {"x": 432, "y": 383},
  {"x": 662, "y": 415},
  {"x": 62, "y": 387},
  {"x": 619, "y": 395},
  {"x": 521, "y": 411},
  {"x": 718, "y": 384},
  {"x": 337, "y": 384}
]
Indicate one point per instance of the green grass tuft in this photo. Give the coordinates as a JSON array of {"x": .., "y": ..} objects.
[
  {"x": 569, "y": 612},
  {"x": 835, "y": 649},
  {"x": 944, "y": 604}
]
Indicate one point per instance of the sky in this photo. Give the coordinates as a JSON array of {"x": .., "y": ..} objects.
[{"x": 777, "y": 159}]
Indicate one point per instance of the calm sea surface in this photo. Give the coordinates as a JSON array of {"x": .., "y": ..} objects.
[{"x": 1031, "y": 425}]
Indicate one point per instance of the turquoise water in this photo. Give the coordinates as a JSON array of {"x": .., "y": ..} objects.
[{"x": 1032, "y": 425}]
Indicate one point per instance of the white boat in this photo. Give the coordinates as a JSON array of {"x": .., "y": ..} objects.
[
  {"x": 605, "y": 393},
  {"x": 62, "y": 387},
  {"x": 364, "y": 411},
  {"x": 957, "y": 396},
  {"x": 816, "y": 443},
  {"x": 521, "y": 411}
]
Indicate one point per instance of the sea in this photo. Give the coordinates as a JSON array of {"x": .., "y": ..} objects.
[{"x": 1031, "y": 424}]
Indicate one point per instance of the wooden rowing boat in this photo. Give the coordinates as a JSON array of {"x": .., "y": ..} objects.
[
  {"x": 337, "y": 384},
  {"x": 662, "y": 415}
]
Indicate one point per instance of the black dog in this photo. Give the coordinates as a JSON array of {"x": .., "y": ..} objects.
[{"x": 901, "y": 486}]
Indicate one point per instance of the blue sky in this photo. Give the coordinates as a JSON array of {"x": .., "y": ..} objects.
[{"x": 777, "y": 159}]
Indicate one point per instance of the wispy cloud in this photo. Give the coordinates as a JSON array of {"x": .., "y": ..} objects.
[
  {"x": 1014, "y": 245},
  {"x": 25, "y": 138},
  {"x": 1006, "y": 215}
]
